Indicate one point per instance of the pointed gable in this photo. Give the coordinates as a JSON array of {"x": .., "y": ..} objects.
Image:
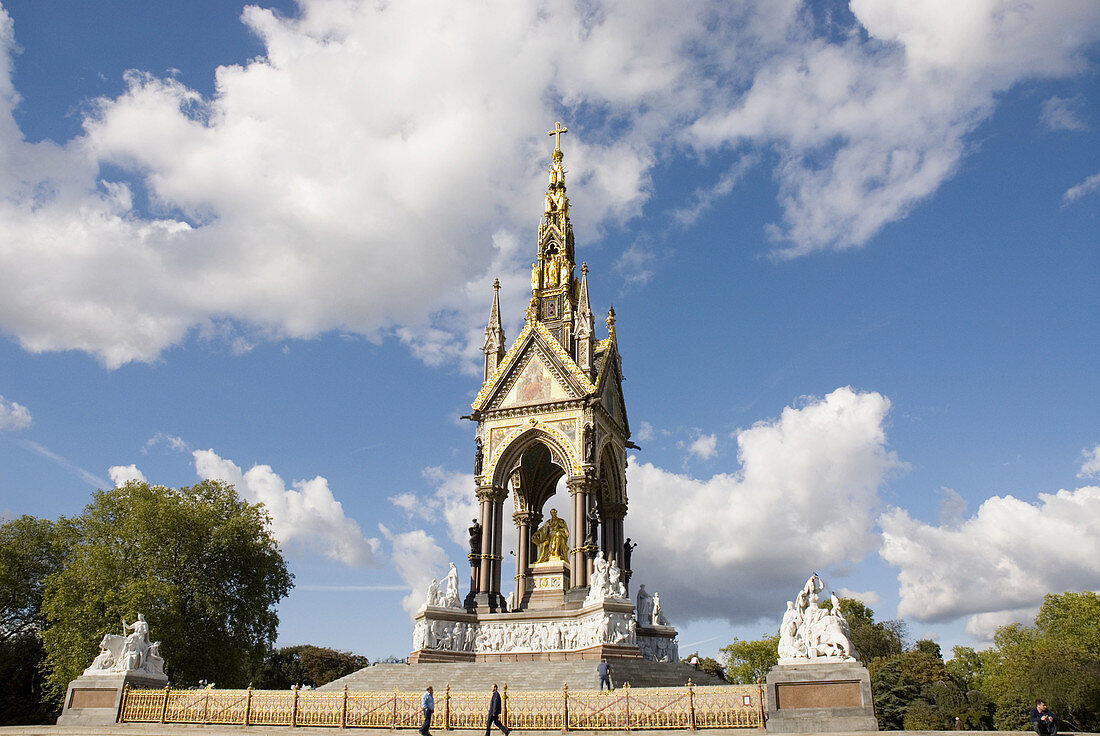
[
  {"x": 610, "y": 384},
  {"x": 535, "y": 370}
]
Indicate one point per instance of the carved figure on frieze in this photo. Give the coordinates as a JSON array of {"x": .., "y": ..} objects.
[
  {"x": 479, "y": 457},
  {"x": 552, "y": 539},
  {"x": 590, "y": 445}
]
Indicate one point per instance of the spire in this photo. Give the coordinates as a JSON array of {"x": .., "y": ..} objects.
[
  {"x": 494, "y": 334},
  {"x": 584, "y": 334},
  {"x": 553, "y": 286}
]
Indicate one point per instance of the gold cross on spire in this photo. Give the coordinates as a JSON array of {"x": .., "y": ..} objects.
[{"x": 556, "y": 132}]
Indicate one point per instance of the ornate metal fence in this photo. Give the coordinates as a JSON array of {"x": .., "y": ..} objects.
[{"x": 690, "y": 707}]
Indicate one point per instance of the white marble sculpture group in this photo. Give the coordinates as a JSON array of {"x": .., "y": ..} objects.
[
  {"x": 128, "y": 653},
  {"x": 539, "y": 636},
  {"x": 443, "y": 598},
  {"x": 809, "y": 632},
  {"x": 606, "y": 581},
  {"x": 600, "y": 627}
]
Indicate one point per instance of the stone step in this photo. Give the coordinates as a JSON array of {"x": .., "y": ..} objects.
[{"x": 474, "y": 676}]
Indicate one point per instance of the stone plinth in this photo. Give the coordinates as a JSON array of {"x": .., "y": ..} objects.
[
  {"x": 549, "y": 581},
  {"x": 817, "y": 696},
  {"x": 94, "y": 700}
]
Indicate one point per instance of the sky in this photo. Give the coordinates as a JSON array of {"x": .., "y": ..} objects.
[{"x": 852, "y": 250}]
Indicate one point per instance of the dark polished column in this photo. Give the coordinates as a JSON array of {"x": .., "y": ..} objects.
[
  {"x": 498, "y": 537},
  {"x": 484, "y": 578},
  {"x": 578, "y": 571},
  {"x": 523, "y": 548}
]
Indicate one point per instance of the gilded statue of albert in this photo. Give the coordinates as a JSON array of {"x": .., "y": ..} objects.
[{"x": 552, "y": 539}]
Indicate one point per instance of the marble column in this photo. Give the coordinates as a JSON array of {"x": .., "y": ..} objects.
[
  {"x": 523, "y": 550},
  {"x": 498, "y": 537},
  {"x": 578, "y": 570},
  {"x": 485, "y": 576}
]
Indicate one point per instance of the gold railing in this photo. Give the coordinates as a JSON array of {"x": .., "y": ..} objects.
[{"x": 690, "y": 707}]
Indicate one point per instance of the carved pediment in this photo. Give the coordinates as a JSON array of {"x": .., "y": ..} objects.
[
  {"x": 610, "y": 383},
  {"x": 535, "y": 370}
]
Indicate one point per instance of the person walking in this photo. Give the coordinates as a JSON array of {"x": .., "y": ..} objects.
[
  {"x": 603, "y": 670},
  {"x": 427, "y": 705},
  {"x": 494, "y": 714}
]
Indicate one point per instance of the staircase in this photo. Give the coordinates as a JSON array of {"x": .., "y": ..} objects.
[{"x": 475, "y": 676}]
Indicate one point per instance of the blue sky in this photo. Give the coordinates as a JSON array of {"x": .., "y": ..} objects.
[{"x": 852, "y": 250}]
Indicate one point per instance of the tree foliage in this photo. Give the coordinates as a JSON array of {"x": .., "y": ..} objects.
[
  {"x": 307, "y": 665},
  {"x": 749, "y": 661},
  {"x": 30, "y": 550},
  {"x": 710, "y": 665},
  {"x": 199, "y": 562}
]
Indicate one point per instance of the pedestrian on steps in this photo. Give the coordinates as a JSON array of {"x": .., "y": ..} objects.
[
  {"x": 603, "y": 670},
  {"x": 427, "y": 705},
  {"x": 494, "y": 714}
]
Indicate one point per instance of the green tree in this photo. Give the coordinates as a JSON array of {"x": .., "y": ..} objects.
[
  {"x": 749, "y": 661},
  {"x": 710, "y": 665},
  {"x": 870, "y": 638},
  {"x": 199, "y": 562},
  {"x": 307, "y": 665},
  {"x": 30, "y": 550},
  {"x": 1058, "y": 660}
]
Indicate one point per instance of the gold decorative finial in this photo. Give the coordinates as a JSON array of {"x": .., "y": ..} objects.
[
  {"x": 496, "y": 284},
  {"x": 611, "y": 323},
  {"x": 556, "y": 132},
  {"x": 584, "y": 267}
]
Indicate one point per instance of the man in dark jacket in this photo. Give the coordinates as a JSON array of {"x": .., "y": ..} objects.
[
  {"x": 1042, "y": 720},
  {"x": 494, "y": 714}
]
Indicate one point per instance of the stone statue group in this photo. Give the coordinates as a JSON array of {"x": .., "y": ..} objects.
[
  {"x": 810, "y": 632},
  {"x": 606, "y": 580},
  {"x": 131, "y": 652},
  {"x": 542, "y": 636},
  {"x": 446, "y": 598}
]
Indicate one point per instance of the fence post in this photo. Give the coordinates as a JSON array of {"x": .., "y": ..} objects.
[
  {"x": 248, "y": 706},
  {"x": 447, "y": 707},
  {"x": 164, "y": 707},
  {"x": 565, "y": 707},
  {"x": 763, "y": 710},
  {"x": 206, "y": 706},
  {"x": 504, "y": 707},
  {"x": 294, "y": 708},
  {"x": 626, "y": 688},
  {"x": 344, "y": 709},
  {"x": 393, "y": 722},
  {"x": 122, "y": 703},
  {"x": 691, "y": 705}
]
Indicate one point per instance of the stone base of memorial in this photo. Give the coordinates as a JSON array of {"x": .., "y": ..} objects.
[
  {"x": 820, "y": 695},
  {"x": 588, "y": 632},
  {"x": 94, "y": 700}
]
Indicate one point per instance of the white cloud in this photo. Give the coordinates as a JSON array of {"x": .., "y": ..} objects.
[
  {"x": 869, "y": 597},
  {"x": 868, "y": 126},
  {"x": 176, "y": 444},
  {"x": 952, "y": 506},
  {"x": 1006, "y": 557},
  {"x": 704, "y": 446},
  {"x": 306, "y": 517},
  {"x": 123, "y": 474},
  {"x": 1063, "y": 113},
  {"x": 418, "y": 559},
  {"x": 736, "y": 545},
  {"x": 1091, "y": 467},
  {"x": 375, "y": 143},
  {"x": 13, "y": 416},
  {"x": 1088, "y": 186},
  {"x": 982, "y": 626}
]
